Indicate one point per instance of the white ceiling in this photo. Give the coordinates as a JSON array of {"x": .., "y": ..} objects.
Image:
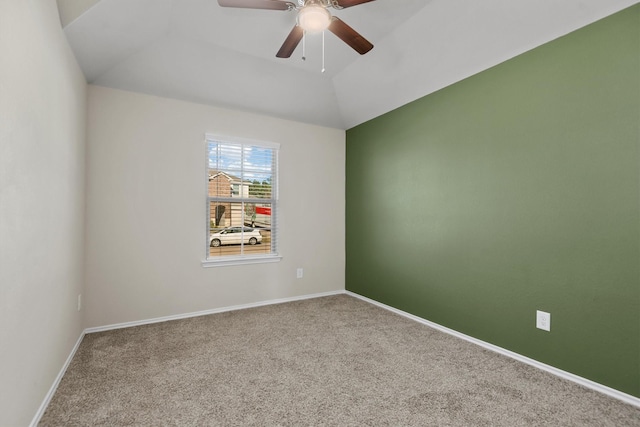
[{"x": 197, "y": 51}]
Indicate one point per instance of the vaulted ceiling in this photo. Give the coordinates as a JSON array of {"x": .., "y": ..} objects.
[{"x": 197, "y": 51}]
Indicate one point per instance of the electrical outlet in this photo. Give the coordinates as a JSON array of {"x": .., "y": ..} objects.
[
  {"x": 543, "y": 320},
  {"x": 299, "y": 273},
  {"x": 79, "y": 302}
]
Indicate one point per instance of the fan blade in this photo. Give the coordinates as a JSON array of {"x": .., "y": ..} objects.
[
  {"x": 348, "y": 3},
  {"x": 349, "y": 36},
  {"x": 258, "y": 4},
  {"x": 290, "y": 43}
]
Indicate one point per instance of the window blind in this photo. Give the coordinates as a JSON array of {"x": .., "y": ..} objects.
[{"x": 242, "y": 199}]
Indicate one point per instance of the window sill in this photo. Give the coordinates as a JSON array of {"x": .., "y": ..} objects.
[{"x": 223, "y": 262}]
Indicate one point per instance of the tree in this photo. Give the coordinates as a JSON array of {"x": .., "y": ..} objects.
[{"x": 261, "y": 190}]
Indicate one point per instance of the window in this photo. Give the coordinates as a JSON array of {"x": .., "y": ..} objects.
[{"x": 242, "y": 184}]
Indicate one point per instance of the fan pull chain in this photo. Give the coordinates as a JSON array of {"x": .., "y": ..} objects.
[
  {"x": 304, "y": 38},
  {"x": 322, "y": 52}
]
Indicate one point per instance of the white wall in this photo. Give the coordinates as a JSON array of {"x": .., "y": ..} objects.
[
  {"x": 72, "y": 9},
  {"x": 42, "y": 136},
  {"x": 146, "y": 209}
]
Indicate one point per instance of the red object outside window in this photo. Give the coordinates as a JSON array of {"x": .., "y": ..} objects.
[{"x": 263, "y": 211}]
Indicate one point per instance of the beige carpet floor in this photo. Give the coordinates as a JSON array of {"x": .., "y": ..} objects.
[{"x": 333, "y": 361}]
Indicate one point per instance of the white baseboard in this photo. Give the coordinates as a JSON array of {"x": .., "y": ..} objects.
[
  {"x": 627, "y": 398},
  {"x": 206, "y": 312},
  {"x": 56, "y": 382}
]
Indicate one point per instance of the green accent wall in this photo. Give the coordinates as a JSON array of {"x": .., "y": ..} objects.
[{"x": 515, "y": 190}]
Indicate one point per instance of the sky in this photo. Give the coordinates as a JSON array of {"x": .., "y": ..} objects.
[{"x": 227, "y": 157}]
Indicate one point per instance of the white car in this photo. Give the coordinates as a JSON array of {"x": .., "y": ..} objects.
[{"x": 235, "y": 236}]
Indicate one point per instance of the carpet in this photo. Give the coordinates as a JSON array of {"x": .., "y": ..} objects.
[{"x": 331, "y": 361}]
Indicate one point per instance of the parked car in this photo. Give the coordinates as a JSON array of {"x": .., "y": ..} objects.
[{"x": 235, "y": 236}]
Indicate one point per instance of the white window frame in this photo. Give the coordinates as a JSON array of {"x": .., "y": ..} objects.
[{"x": 274, "y": 256}]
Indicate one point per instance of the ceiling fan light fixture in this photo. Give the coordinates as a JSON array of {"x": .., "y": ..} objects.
[{"x": 314, "y": 19}]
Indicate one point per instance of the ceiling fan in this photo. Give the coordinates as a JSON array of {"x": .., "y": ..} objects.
[{"x": 313, "y": 16}]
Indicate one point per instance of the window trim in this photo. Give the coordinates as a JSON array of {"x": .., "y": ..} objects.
[
  {"x": 247, "y": 259},
  {"x": 242, "y": 259}
]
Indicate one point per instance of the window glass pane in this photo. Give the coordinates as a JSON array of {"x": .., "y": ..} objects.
[
  {"x": 260, "y": 187},
  {"x": 219, "y": 185},
  {"x": 225, "y": 157},
  {"x": 241, "y": 199},
  {"x": 230, "y": 238},
  {"x": 241, "y": 171},
  {"x": 224, "y": 215}
]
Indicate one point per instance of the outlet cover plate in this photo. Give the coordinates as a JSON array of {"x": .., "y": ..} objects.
[{"x": 543, "y": 320}]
